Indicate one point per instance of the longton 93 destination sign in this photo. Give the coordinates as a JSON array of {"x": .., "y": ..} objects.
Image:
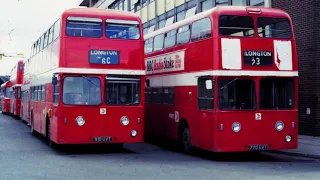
[{"x": 165, "y": 63}]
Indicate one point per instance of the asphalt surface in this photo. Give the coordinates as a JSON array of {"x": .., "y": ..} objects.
[{"x": 23, "y": 156}]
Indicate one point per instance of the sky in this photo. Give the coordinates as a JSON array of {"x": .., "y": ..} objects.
[{"x": 26, "y": 20}]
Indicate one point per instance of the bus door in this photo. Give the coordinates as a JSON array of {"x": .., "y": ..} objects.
[{"x": 206, "y": 113}]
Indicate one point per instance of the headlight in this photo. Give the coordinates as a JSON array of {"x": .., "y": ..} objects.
[
  {"x": 279, "y": 125},
  {"x": 124, "y": 120},
  {"x": 134, "y": 133},
  {"x": 288, "y": 138},
  {"x": 80, "y": 121},
  {"x": 236, "y": 127}
]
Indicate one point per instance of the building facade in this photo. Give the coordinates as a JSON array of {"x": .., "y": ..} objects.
[{"x": 156, "y": 14}]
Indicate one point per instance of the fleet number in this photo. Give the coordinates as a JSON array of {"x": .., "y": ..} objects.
[{"x": 255, "y": 61}]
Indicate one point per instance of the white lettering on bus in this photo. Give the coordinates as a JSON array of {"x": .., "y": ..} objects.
[
  {"x": 105, "y": 53},
  {"x": 257, "y": 53}
]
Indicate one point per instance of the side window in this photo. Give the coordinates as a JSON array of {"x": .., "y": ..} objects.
[
  {"x": 56, "y": 31},
  {"x": 148, "y": 45},
  {"x": 50, "y": 35},
  {"x": 158, "y": 42},
  {"x": 148, "y": 93},
  {"x": 168, "y": 95},
  {"x": 56, "y": 90},
  {"x": 43, "y": 92},
  {"x": 42, "y": 42},
  {"x": 39, "y": 93},
  {"x": 201, "y": 29},
  {"x": 157, "y": 96},
  {"x": 205, "y": 93},
  {"x": 46, "y": 39},
  {"x": 183, "y": 34},
  {"x": 170, "y": 39}
]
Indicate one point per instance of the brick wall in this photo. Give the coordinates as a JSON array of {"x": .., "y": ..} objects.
[{"x": 305, "y": 17}]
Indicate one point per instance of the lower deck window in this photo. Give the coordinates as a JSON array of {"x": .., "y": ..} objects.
[
  {"x": 81, "y": 90},
  {"x": 236, "y": 94},
  {"x": 122, "y": 91},
  {"x": 276, "y": 93}
]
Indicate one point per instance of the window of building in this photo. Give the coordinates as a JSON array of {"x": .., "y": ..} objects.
[
  {"x": 222, "y": 2},
  {"x": 232, "y": 25},
  {"x": 161, "y": 24},
  {"x": 125, "y": 5},
  {"x": 181, "y": 15},
  {"x": 191, "y": 12},
  {"x": 206, "y": 5},
  {"x": 201, "y": 29},
  {"x": 256, "y": 2},
  {"x": 169, "y": 21},
  {"x": 239, "y": 2},
  {"x": 151, "y": 28}
]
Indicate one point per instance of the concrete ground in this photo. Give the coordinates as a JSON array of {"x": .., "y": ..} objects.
[{"x": 25, "y": 157}]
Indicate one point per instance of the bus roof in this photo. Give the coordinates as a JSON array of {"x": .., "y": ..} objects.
[
  {"x": 218, "y": 10},
  {"x": 100, "y": 12}
]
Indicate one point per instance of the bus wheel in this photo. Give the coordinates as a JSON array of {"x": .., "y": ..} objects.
[{"x": 185, "y": 139}]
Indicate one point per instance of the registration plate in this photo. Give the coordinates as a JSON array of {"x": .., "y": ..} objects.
[
  {"x": 102, "y": 139},
  {"x": 258, "y": 147}
]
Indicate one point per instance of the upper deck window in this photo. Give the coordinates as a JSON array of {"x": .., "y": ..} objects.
[
  {"x": 201, "y": 29},
  {"x": 122, "y": 29},
  {"x": 274, "y": 27},
  {"x": 232, "y": 25},
  {"x": 84, "y": 27}
]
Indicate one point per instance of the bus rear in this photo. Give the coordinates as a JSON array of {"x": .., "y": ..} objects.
[
  {"x": 257, "y": 89},
  {"x": 5, "y": 97},
  {"x": 100, "y": 78}
]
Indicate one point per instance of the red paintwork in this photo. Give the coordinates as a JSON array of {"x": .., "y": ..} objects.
[
  {"x": 4, "y": 98},
  {"x": 16, "y": 78},
  {"x": 72, "y": 52},
  {"x": 205, "y": 55}
]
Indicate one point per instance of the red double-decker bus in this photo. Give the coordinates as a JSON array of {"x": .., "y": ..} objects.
[
  {"x": 16, "y": 78},
  {"x": 224, "y": 80},
  {"x": 87, "y": 75},
  {"x": 5, "y": 92},
  {"x": 25, "y": 94}
]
